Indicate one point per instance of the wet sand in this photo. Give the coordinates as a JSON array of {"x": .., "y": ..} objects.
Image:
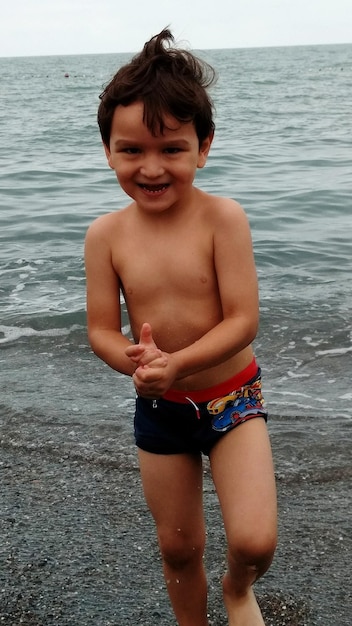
[{"x": 78, "y": 546}]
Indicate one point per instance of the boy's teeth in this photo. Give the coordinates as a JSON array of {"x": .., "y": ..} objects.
[{"x": 154, "y": 187}]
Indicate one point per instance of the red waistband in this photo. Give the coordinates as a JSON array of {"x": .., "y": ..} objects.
[{"x": 217, "y": 391}]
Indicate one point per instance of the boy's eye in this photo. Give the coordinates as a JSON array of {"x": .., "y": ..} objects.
[
  {"x": 130, "y": 150},
  {"x": 172, "y": 150}
]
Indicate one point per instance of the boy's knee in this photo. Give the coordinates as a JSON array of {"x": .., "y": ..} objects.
[
  {"x": 178, "y": 550},
  {"x": 255, "y": 551}
]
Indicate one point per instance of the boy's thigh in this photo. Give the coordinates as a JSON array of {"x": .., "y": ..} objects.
[
  {"x": 243, "y": 474},
  {"x": 172, "y": 485}
]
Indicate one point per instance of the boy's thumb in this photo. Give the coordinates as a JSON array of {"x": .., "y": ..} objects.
[{"x": 146, "y": 336}]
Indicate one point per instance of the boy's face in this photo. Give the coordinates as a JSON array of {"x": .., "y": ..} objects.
[{"x": 157, "y": 172}]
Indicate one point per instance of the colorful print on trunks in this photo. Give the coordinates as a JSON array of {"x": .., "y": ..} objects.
[{"x": 237, "y": 407}]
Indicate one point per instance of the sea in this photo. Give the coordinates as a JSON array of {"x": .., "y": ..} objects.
[{"x": 282, "y": 148}]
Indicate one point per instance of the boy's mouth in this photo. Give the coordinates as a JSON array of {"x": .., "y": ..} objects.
[{"x": 153, "y": 188}]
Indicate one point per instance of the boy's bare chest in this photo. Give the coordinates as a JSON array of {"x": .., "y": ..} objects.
[{"x": 174, "y": 264}]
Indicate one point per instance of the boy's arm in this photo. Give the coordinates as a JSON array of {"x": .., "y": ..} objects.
[
  {"x": 238, "y": 289},
  {"x": 103, "y": 301}
]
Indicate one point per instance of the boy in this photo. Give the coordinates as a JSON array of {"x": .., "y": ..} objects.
[{"x": 183, "y": 261}]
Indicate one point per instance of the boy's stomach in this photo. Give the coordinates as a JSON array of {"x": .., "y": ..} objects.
[{"x": 177, "y": 326}]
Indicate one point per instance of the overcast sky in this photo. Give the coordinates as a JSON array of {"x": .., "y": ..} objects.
[{"x": 45, "y": 27}]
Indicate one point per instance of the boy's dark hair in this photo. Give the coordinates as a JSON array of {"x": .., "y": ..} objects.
[{"x": 168, "y": 81}]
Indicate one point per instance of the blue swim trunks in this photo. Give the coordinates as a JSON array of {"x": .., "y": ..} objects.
[{"x": 192, "y": 422}]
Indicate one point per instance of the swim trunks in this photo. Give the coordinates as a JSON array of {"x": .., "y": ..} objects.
[{"x": 192, "y": 422}]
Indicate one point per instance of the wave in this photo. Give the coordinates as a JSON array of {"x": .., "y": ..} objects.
[{"x": 10, "y": 334}]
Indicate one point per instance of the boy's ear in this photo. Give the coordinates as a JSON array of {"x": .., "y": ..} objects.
[
  {"x": 204, "y": 150},
  {"x": 108, "y": 155}
]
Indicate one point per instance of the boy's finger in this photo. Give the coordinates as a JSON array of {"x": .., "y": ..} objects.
[
  {"x": 135, "y": 350},
  {"x": 146, "y": 337},
  {"x": 154, "y": 358}
]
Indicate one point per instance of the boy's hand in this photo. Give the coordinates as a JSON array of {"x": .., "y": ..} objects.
[
  {"x": 146, "y": 350},
  {"x": 155, "y": 371}
]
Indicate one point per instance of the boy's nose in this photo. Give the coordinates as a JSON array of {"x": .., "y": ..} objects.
[{"x": 151, "y": 168}]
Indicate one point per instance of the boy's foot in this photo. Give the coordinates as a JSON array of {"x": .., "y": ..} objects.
[{"x": 244, "y": 611}]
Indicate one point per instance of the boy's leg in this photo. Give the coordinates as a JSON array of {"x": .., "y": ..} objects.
[
  {"x": 243, "y": 475},
  {"x": 173, "y": 490}
]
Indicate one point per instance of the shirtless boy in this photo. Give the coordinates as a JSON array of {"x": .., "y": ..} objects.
[{"x": 183, "y": 261}]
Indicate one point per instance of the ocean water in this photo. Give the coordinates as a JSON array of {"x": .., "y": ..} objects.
[{"x": 283, "y": 149}]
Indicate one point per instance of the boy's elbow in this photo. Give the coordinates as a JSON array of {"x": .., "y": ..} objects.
[
  {"x": 94, "y": 339},
  {"x": 251, "y": 326}
]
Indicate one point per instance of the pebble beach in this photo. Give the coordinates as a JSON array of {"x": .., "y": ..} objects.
[{"x": 78, "y": 544}]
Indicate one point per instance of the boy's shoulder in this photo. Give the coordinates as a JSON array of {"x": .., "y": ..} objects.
[
  {"x": 223, "y": 208},
  {"x": 220, "y": 202},
  {"x": 106, "y": 222}
]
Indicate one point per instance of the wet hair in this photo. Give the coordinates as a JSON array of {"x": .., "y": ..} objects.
[{"x": 168, "y": 81}]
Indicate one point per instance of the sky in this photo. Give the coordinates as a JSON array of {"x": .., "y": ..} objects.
[{"x": 60, "y": 27}]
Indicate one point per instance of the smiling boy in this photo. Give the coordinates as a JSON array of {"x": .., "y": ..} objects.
[{"x": 183, "y": 261}]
